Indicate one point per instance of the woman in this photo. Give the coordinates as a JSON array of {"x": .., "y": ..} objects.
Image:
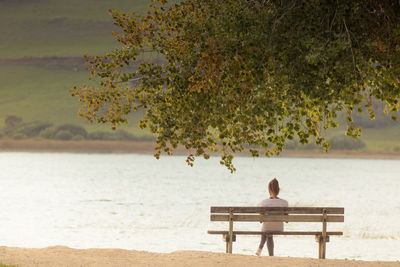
[{"x": 272, "y": 201}]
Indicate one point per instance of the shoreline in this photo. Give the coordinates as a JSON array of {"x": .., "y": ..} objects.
[
  {"x": 147, "y": 147},
  {"x": 65, "y": 256}
]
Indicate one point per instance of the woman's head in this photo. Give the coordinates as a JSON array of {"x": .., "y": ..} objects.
[{"x": 273, "y": 188}]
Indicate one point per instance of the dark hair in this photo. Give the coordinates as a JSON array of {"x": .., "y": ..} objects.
[{"x": 273, "y": 186}]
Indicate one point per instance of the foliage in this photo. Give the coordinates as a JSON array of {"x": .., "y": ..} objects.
[
  {"x": 247, "y": 75},
  {"x": 124, "y": 135},
  {"x": 34, "y": 128},
  {"x": 65, "y": 132},
  {"x": 72, "y": 129},
  {"x": 63, "y": 135},
  {"x": 380, "y": 120},
  {"x": 12, "y": 121},
  {"x": 101, "y": 135},
  {"x": 78, "y": 138},
  {"x": 119, "y": 135},
  {"x": 24, "y": 130},
  {"x": 17, "y": 129},
  {"x": 47, "y": 134},
  {"x": 342, "y": 142},
  {"x": 19, "y": 136},
  {"x": 336, "y": 142}
]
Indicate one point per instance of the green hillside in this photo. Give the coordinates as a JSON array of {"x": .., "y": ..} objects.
[
  {"x": 35, "y": 93},
  {"x": 34, "y": 34},
  {"x": 38, "y": 94},
  {"x": 41, "y": 48},
  {"x": 59, "y": 28}
]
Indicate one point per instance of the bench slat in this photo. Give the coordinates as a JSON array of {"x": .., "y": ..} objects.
[
  {"x": 275, "y": 218},
  {"x": 290, "y": 210},
  {"x": 217, "y": 232}
]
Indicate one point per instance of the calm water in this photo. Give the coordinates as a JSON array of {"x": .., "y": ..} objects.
[{"x": 136, "y": 202}]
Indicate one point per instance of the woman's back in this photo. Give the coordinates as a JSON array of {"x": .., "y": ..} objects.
[{"x": 273, "y": 202}]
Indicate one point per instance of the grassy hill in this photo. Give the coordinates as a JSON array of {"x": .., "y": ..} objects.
[
  {"x": 59, "y": 28},
  {"x": 34, "y": 34},
  {"x": 41, "y": 48}
]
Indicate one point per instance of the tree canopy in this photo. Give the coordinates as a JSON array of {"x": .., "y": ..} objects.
[{"x": 247, "y": 75}]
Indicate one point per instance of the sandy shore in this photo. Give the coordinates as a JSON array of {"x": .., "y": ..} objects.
[{"x": 64, "y": 256}]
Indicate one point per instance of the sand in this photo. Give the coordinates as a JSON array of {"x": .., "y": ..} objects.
[{"x": 64, "y": 256}]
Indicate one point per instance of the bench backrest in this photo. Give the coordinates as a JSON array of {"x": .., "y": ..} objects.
[{"x": 277, "y": 214}]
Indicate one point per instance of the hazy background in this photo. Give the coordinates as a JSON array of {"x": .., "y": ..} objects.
[
  {"x": 42, "y": 43},
  {"x": 132, "y": 201}
]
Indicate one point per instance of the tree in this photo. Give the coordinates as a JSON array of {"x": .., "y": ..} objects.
[
  {"x": 12, "y": 121},
  {"x": 247, "y": 74}
]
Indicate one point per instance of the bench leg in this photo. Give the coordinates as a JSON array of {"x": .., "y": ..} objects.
[
  {"x": 321, "y": 245},
  {"x": 230, "y": 232},
  {"x": 323, "y": 249},
  {"x": 230, "y": 247},
  {"x": 320, "y": 248},
  {"x": 228, "y": 242}
]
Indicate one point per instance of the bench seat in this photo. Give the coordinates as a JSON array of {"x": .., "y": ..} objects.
[
  {"x": 214, "y": 232},
  {"x": 277, "y": 214}
]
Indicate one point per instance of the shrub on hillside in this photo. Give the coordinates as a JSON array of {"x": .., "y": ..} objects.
[
  {"x": 63, "y": 135},
  {"x": 29, "y": 129},
  {"x": 292, "y": 144},
  {"x": 78, "y": 138},
  {"x": 101, "y": 135},
  {"x": 344, "y": 142},
  {"x": 47, "y": 133},
  {"x": 145, "y": 138},
  {"x": 19, "y": 136},
  {"x": 119, "y": 135},
  {"x": 12, "y": 121},
  {"x": 125, "y": 136},
  {"x": 34, "y": 128},
  {"x": 72, "y": 129},
  {"x": 381, "y": 119}
]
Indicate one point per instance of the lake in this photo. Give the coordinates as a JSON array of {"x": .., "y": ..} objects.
[{"x": 136, "y": 202}]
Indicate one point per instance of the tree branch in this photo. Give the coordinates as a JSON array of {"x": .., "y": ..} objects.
[{"x": 351, "y": 48}]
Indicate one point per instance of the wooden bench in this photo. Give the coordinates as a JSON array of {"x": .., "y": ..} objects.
[{"x": 277, "y": 214}]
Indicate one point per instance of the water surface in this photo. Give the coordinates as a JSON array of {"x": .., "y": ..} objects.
[{"x": 137, "y": 202}]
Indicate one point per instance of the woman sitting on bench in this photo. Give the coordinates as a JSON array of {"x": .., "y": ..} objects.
[{"x": 272, "y": 201}]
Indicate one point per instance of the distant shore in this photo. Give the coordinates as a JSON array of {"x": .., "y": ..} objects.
[
  {"x": 29, "y": 145},
  {"x": 147, "y": 147},
  {"x": 64, "y": 256}
]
